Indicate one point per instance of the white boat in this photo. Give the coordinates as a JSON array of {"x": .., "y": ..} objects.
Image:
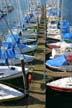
[
  {"x": 30, "y": 34},
  {"x": 8, "y": 93},
  {"x": 62, "y": 63},
  {"x": 59, "y": 51},
  {"x": 9, "y": 72},
  {"x": 19, "y": 48},
  {"x": 25, "y": 40},
  {"x": 29, "y": 25},
  {"x": 52, "y": 29},
  {"x": 62, "y": 85},
  {"x": 17, "y": 59},
  {"x": 25, "y": 48},
  {"x": 61, "y": 44}
]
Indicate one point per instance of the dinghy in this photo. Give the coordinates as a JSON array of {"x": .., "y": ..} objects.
[
  {"x": 18, "y": 57},
  {"x": 61, "y": 85},
  {"x": 13, "y": 57},
  {"x": 61, "y": 44},
  {"x": 21, "y": 48},
  {"x": 62, "y": 63},
  {"x": 60, "y": 51},
  {"x": 8, "y": 93},
  {"x": 22, "y": 38},
  {"x": 52, "y": 28},
  {"x": 9, "y": 72},
  {"x": 18, "y": 47},
  {"x": 29, "y": 34}
]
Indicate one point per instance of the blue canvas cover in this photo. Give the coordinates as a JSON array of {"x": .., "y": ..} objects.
[
  {"x": 57, "y": 62},
  {"x": 12, "y": 38},
  {"x": 67, "y": 36},
  {"x": 65, "y": 26},
  {"x": 52, "y": 12},
  {"x": 22, "y": 46},
  {"x": 7, "y": 54},
  {"x": 7, "y": 45}
]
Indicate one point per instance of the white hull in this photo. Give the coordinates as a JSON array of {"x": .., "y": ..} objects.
[
  {"x": 60, "y": 45},
  {"x": 29, "y": 34},
  {"x": 17, "y": 60},
  {"x": 29, "y": 25},
  {"x": 25, "y": 40},
  {"x": 8, "y": 93},
  {"x": 62, "y": 84},
  {"x": 59, "y": 51},
  {"x": 65, "y": 68},
  {"x": 10, "y": 72},
  {"x": 28, "y": 48}
]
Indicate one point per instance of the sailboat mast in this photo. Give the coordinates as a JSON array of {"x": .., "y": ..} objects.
[{"x": 19, "y": 12}]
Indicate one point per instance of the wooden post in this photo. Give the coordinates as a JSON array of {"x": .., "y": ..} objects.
[{"x": 24, "y": 77}]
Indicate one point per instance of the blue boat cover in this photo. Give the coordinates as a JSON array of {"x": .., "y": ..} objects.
[
  {"x": 7, "y": 54},
  {"x": 65, "y": 26},
  {"x": 57, "y": 62},
  {"x": 8, "y": 45},
  {"x": 12, "y": 38},
  {"x": 67, "y": 36},
  {"x": 21, "y": 46},
  {"x": 52, "y": 12}
]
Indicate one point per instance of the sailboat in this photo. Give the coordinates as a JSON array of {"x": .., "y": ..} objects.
[
  {"x": 61, "y": 85},
  {"x": 8, "y": 93},
  {"x": 13, "y": 40},
  {"x": 9, "y": 72},
  {"x": 59, "y": 45},
  {"x": 6, "y": 7},
  {"x": 62, "y": 63},
  {"x": 60, "y": 51}
]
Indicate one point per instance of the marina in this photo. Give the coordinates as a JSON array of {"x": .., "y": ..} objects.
[{"x": 35, "y": 56}]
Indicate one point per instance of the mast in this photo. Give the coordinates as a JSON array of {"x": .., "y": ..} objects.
[{"x": 20, "y": 17}]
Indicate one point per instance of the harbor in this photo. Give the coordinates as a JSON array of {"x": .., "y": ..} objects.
[{"x": 38, "y": 57}]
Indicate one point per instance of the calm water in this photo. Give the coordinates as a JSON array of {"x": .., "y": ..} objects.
[{"x": 13, "y": 17}]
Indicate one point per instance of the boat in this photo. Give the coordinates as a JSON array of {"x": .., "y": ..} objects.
[
  {"x": 21, "y": 48},
  {"x": 9, "y": 72},
  {"x": 52, "y": 28},
  {"x": 30, "y": 34},
  {"x": 14, "y": 57},
  {"x": 67, "y": 37},
  {"x": 62, "y": 63},
  {"x": 61, "y": 85},
  {"x": 60, "y": 51},
  {"x": 13, "y": 41},
  {"x": 8, "y": 93},
  {"x": 53, "y": 31},
  {"x": 61, "y": 44},
  {"x": 21, "y": 34},
  {"x": 18, "y": 57},
  {"x": 6, "y": 8}
]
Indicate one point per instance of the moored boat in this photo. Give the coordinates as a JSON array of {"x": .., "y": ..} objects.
[
  {"x": 8, "y": 93},
  {"x": 61, "y": 84},
  {"x": 9, "y": 72}
]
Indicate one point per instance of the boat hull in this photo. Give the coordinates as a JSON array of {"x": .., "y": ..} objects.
[{"x": 8, "y": 93}]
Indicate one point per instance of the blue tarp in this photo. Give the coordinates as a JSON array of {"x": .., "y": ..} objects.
[
  {"x": 8, "y": 45},
  {"x": 57, "y": 62},
  {"x": 65, "y": 26},
  {"x": 67, "y": 36},
  {"x": 7, "y": 54},
  {"x": 12, "y": 38},
  {"x": 21, "y": 46},
  {"x": 52, "y": 12}
]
